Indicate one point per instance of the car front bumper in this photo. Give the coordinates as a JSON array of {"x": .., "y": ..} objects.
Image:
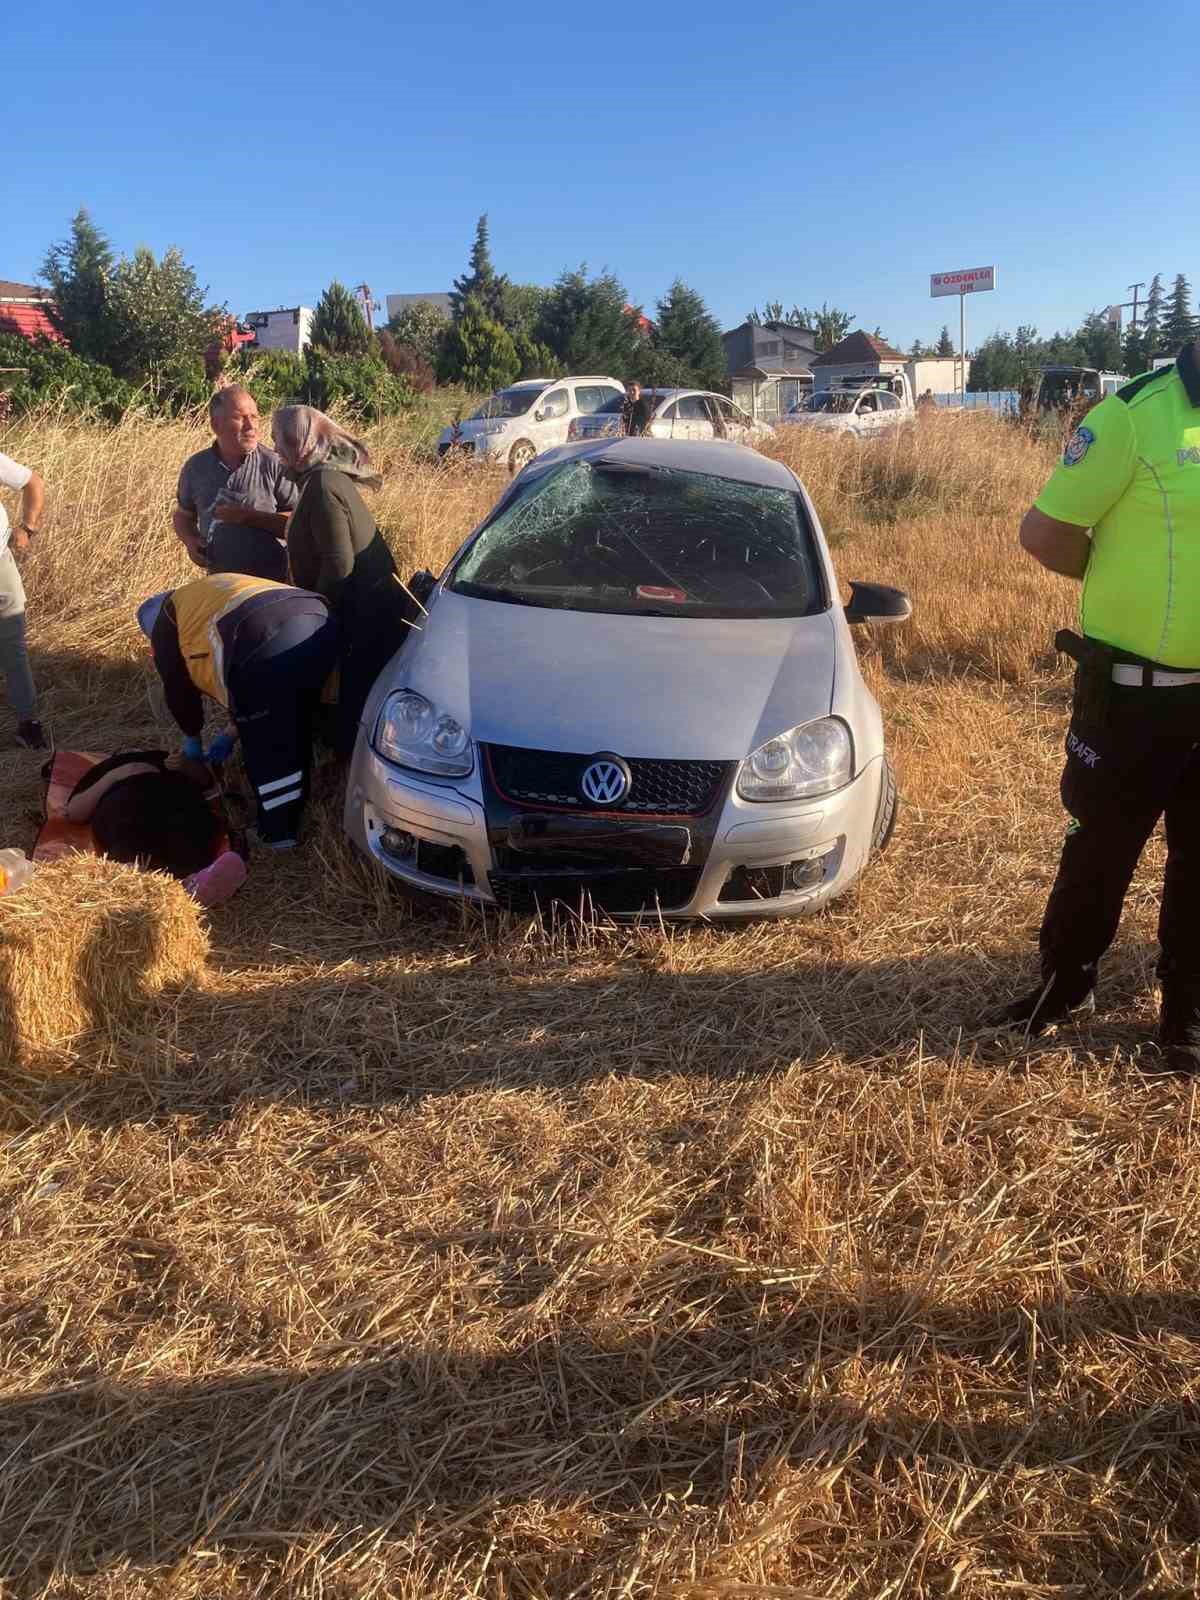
[{"x": 765, "y": 860}]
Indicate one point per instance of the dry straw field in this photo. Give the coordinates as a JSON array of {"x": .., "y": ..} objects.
[{"x": 357, "y": 1249}]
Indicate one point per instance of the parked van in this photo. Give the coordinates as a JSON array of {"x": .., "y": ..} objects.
[
  {"x": 1063, "y": 386},
  {"x": 521, "y": 421}
]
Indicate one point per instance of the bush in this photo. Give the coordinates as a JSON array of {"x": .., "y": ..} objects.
[
  {"x": 58, "y": 377},
  {"x": 405, "y": 361},
  {"x": 479, "y": 354},
  {"x": 362, "y": 384},
  {"x": 274, "y": 377}
]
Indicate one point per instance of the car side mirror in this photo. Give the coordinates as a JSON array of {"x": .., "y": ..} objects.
[
  {"x": 539, "y": 416},
  {"x": 877, "y": 602}
]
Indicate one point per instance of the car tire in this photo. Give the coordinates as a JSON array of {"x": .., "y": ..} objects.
[
  {"x": 519, "y": 457},
  {"x": 887, "y": 810}
]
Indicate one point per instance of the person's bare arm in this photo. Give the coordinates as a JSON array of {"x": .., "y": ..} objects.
[
  {"x": 188, "y": 531},
  {"x": 1059, "y": 546},
  {"x": 33, "y": 502}
]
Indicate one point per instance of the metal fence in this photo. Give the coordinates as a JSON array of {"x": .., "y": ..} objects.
[{"x": 1002, "y": 400}]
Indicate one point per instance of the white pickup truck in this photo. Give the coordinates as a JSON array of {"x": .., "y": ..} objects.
[{"x": 861, "y": 405}]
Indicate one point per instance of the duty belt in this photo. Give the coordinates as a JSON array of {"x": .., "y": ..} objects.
[{"x": 1151, "y": 677}]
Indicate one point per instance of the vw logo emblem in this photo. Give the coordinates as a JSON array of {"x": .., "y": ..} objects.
[{"x": 606, "y": 781}]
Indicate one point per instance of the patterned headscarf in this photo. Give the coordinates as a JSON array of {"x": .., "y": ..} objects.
[{"x": 307, "y": 439}]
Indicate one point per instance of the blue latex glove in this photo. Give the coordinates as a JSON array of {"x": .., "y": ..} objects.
[
  {"x": 220, "y": 750},
  {"x": 192, "y": 747}
]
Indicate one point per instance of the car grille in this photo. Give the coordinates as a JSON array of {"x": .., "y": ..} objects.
[
  {"x": 658, "y": 788},
  {"x": 620, "y": 892}
]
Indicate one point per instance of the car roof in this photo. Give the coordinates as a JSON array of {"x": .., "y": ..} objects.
[
  {"x": 575, "y": 377},
  {"x": 718, "y": 458}
]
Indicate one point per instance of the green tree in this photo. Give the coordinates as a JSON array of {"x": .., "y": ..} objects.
[
  {"x": 523, "y": 304},
  {"x": 945, "y": 344},
  {"x": 1101, "y": 343},
  {"x": 338, "y": 324},
  {"x": 79, "y": 270},
  {"x": 1152, "y": 319},
  {"x": 156, "y": 315},
  {"x": 829, "y": 324},
  {"x": 421, "y": 329},
  {"x": 688, "y": 331},
  {"x": 481, "y": 284},
  {"x": 1179, "y": 325},
  {"x": 588, "y": 324},
  {"x": 536, "y": 360},
  {"x": 1134, "y": 351},
  {"x": 478, "y": 352}
]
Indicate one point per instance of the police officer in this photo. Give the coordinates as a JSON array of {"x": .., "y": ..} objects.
[{"x": 1122, "y": 512}]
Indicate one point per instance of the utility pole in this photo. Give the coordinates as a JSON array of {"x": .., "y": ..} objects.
[
  {"x": 368, "y": 305},
  {"x": 1132, "y": 288}
]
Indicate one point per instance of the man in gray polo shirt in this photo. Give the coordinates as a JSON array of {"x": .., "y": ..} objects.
[{"x": 235, "y": 497}]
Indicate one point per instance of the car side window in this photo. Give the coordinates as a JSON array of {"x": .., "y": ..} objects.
[
  {"x": 693, "y": 409},
  {"x": 889, "y": 402},
  {"x": 727, "y": 409},
  {"x": 867, "y": 403},
  {"x": 609, "y": 393},
  {"x": 555, "y": 404},
  {"x": 589, "y": 398},
  {"x": 670, "y": 414}
]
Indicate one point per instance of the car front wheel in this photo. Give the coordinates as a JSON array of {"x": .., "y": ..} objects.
[
  {"x": 887, "y": 809},
  {"x": 519, "y": 457}
]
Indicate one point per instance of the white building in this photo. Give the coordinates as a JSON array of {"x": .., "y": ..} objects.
[
  {"x": 860, "y": 354},
  {"x": 937, "y": 373},
  {"x": 288, "y": 328}
]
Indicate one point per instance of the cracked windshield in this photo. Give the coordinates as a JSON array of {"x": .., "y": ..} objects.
[{"x": 646, "y": 541}]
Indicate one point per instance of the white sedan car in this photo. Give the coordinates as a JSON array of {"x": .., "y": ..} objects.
[
  {"x": 677, "y": 414},
  {"x": 635, "y": 690},
  {"x": 858, "y": 412}
]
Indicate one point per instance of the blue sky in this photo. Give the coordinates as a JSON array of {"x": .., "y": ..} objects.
[{"x": 800, "y": 152}]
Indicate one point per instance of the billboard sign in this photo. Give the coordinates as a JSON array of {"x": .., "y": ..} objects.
[{"x": 968, "y": 280}]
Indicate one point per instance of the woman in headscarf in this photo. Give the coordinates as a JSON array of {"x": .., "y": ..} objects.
[{"x": 336, "y": 550}]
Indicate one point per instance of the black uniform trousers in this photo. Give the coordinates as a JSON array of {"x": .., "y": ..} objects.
[
  {"x": 274, "y": 689},
  {"x": 1143, "y": 764}
]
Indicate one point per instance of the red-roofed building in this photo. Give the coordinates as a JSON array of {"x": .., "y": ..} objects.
[
  {"x": 858, "y": 355},
  {"x": 23, "y": 311}
]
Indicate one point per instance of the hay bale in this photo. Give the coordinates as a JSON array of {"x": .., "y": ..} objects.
[{"x": 87, "y": 947}]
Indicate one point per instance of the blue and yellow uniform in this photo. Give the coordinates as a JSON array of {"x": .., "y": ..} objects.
[
  {"x": 1131, "y": 475},
  {"x": 262, "y": 650}
]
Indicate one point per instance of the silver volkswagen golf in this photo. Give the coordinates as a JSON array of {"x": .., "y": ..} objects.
[{"x": 634, "y": 691}]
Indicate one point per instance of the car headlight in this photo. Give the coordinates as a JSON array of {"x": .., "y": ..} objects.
[
  {"x": 815, "y": 758},
  {"x": 412, "y": 732}
]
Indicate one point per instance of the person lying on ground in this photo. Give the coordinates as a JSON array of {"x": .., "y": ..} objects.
[
  {"x": 14, "y": 655},
  {"x": 263, "y": 651},
  {"x": 234, "y": 497},
  {"x": 152, "y": 810},
  {"x": 336, "y": 549}
]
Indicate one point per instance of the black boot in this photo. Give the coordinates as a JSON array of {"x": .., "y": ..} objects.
[
  {"x": 1179, "y": 1021},
  {"x": 1061, "y": 993}
]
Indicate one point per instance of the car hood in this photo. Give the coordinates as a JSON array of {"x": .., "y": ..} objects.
[
  {"x": 830, "y": 421},
  {"x": 678, "y": 688}
]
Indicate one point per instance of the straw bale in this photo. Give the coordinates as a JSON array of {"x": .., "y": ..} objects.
[{"x": 87, "y": 946}]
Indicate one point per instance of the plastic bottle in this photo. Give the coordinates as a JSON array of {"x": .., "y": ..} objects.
[{"x": 15, "y": 870}]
